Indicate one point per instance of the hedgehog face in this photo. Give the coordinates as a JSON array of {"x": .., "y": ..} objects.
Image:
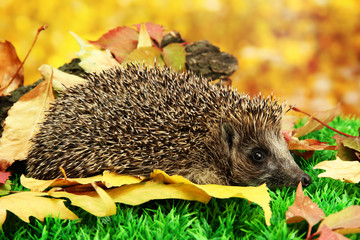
[{"x": 261, "y": 158}]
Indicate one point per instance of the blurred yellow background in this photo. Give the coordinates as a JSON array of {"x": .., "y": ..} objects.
[{"x": 305, "y": 51}]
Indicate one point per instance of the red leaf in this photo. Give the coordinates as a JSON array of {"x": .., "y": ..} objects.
[
  {"x": 4, "y": 176},
  {"x": 307, "y": 144},
  {"x": 120, "y": 41},
  {"x": 155, "y": 31},
  {"x": 304, "y": 209}
]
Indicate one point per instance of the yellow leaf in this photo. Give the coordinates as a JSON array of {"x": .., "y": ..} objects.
[
  {"x": 144, "y": 37},
  {"x": 2, "y": 216},
  {"x": 37, "y": 185},
  {"x": 60, "y": 79},
  {"x": 135, "y": 190},
  {"x": 23, "y": 121},
  {"x": 98, "y": 202},
  {"x": 26, "y": 204},
  {"x": 346, "y": 171},
  {"x": 111, "y": 179}
]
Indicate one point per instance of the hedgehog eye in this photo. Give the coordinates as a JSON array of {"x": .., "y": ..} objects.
[{"x": 258, "y": 156}]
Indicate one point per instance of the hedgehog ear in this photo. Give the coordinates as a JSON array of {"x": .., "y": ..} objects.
[{"x": 228, "y": 135}]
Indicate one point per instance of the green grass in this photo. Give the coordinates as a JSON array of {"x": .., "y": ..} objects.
[{"x": 219, "y": 219}]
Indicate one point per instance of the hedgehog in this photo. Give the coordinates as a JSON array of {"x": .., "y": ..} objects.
[{"x": 135, "y": 119}]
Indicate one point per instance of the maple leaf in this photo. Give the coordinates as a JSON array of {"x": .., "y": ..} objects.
[
  {"x": 22, "y": 123},
  {"x": 9, "y": 67},
  {"x": 26, "y": 204},
  {"x": 174, "y": 56},
  {"x": 304, "y": 209},
  {"x": 346, "y": 171},
  {"x": 120, "y": 41}
]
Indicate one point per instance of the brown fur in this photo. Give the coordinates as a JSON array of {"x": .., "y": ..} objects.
[{"x": 137, "y": 119}]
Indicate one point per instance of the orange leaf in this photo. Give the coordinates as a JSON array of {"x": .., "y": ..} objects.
[
  {"x": 10, "y": 63},
  {"x": 345, "y": 222},
  {"x": 346, "y": 171},
  {"x": 327, "y": 234},
  {"x": 304, "y": 209}
]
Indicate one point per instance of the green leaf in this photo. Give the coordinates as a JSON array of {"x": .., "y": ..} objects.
[{"x": 174, "y": 56}]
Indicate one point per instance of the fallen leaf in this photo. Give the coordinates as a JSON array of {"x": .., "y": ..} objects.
[
  {"x": 2, "y": 216},
  {"x": 120, "y": 41},
  {"x": 22, "y": 122},
  {"x": 10, "y": 63},
  {"x": 312, "y": 125},
  {"x": 108, "y": 179},
  {"x": 348, "y": 147},
  {"x": 145, "y": 55},
  {"x": 26, "y": 204},
  {"x": 92, "y": 58},
  {"x": 144, "y": 37},
  {"x": 307, "y": 144},
  {"x": 135, "y": 191},
  {"x": 155, "y": 31},
  {"x": 346, "y": 171},
  {"x": 4, "y": 176},
  {"x": 327, "y": 234},
  {"x": 60, "y": 79},
  {"x": 345, "y": 222},
  {"x": 174, "y": 56},
  {"x": 304, "y": 209}
]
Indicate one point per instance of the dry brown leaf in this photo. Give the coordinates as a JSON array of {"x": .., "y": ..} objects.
[
  {"x": 312, "y": 125},
  {"x": 346, "y": 171},
  {"x": 60, "y": 79},
  {"x": 23, "y": 122},
  {"x": 10, "y": 63},
  {"x": 26, "y": 204}
]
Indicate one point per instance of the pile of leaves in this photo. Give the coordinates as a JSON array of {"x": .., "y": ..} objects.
[{"x": 98, "y": 195}]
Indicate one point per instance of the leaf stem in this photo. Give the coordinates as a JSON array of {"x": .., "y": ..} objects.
[
  {"x": 321, "y": 122},
  {"x": 43, "y": 27}
]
